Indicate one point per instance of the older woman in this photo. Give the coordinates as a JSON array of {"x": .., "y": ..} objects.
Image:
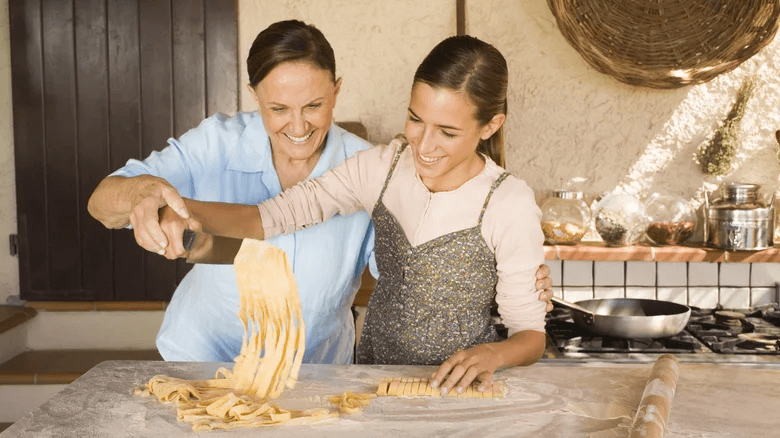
[{"x": 247, "y": 159}]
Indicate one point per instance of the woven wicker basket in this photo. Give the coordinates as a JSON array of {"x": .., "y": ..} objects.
[{"x": 666, "y": 43}]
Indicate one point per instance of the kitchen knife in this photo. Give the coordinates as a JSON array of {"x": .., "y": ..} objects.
[{"x": 188, "y": 238}]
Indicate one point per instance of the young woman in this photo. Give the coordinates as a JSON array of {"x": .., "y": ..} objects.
[{"x": 453, "y": 228}]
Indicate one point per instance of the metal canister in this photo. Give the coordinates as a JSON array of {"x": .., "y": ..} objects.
[{"x": 739, "y": 220}]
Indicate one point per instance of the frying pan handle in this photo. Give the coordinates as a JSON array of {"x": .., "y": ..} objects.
[{"x": 588, "y": 316}]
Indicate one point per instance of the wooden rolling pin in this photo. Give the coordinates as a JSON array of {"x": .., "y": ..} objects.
[{"x": 653, "y": 412}]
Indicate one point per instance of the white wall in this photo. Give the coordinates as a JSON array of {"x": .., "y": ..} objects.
[{"x": 9, "y": 266}]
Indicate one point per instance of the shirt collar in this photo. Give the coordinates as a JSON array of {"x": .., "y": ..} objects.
[{"x": 253, "y": 153}]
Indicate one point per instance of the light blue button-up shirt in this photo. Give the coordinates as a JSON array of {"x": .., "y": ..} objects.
[{"x": 228, "y": 159}]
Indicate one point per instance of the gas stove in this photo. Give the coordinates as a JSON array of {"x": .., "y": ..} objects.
[{"x": 711, "y": 335}]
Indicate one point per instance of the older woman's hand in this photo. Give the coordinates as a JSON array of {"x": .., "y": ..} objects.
[
  {"x": 145, "y": 215},
  {"x": 544, "y": 284},
  {"x": 173, "y": 226}
]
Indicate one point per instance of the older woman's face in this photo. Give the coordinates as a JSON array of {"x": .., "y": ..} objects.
[{"x": 296, "y": 101}]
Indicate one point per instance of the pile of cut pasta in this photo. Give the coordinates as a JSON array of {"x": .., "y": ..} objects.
[{"x": 270, "y": 358}]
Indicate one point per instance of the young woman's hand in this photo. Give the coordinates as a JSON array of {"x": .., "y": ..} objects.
[
  {"x": 465, "y": 366},
  {"x": 480, "y": 362}
]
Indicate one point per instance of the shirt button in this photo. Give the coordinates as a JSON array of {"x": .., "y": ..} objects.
[
  {"x": 406, "y": 268},
  {"x": 409, "y": 251}
]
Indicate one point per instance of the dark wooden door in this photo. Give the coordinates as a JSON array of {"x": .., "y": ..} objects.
[{"x": 96, "y": 82}]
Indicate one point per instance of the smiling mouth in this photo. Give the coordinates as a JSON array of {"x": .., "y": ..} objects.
[
  {"x": 428, "y": 160},
  {"x": 299, "y": 139}
]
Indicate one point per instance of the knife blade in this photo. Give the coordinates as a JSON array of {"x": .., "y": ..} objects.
[{"x": 188, "y": 238}]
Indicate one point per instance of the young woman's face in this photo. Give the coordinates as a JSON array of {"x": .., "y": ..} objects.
[
  {"x": 444, "y": 134},
  {"x": 296, "y": 101}
]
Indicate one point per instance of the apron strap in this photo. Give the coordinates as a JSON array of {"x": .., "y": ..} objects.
[
  {"x": 400, "y": 150},
  {"x": 496, "y": 183}
]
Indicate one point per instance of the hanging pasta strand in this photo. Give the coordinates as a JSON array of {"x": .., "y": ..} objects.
[
  {"x": 277, "y": 322},
  {"x": 270, "y": 359}
]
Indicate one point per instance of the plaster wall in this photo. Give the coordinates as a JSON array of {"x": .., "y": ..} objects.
[
  {"x": 9, "y": 266},
  {"x": 378, "y": 46},
  {"x": 567, "y": 120}
]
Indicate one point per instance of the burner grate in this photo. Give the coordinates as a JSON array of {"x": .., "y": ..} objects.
[
  {"x": 733, "y": 332},
  {"x": 723, "y": 331},
  {"x": 568, "y": 337}
]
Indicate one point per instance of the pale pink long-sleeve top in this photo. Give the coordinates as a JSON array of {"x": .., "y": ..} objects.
[{"x": 510, "y": 226}]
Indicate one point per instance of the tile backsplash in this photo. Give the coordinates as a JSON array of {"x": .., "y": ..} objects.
[{"x": 700, "y": 284}]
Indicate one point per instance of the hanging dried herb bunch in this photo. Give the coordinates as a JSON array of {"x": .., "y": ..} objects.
[{"x": 716, "y": 156}]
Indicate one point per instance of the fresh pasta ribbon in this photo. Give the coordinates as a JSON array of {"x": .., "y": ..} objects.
[
  {"x": 350, "y": 403},
  {"x": 270, "y": 311},
  {"x": 270, "y": 358}
]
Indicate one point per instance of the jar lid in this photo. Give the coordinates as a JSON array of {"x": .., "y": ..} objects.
[
  {"x": 567, "y": 194},
  {"x": 739, "y": 193}
]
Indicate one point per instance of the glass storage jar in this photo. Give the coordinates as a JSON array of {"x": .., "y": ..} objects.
[
  {"x": 619, "y": 219},
  {"x": 670, "y": 219},
  {"x": 565, "y": 218}
]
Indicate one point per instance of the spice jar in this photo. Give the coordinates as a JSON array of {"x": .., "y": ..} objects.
[
  {"x": 565, "y": 217},
  {"x": 619, "y": 219},
  {"x": 670, "y": 219}
]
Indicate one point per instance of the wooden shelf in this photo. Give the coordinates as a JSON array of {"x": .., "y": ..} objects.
[
  {"x": 597, "y": 251},
  {"x": 46, "y": 367},
  {"x": 12, "y": 316}
]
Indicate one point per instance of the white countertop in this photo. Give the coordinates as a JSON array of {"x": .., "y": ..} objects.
[{"x": 548, "y": 399}]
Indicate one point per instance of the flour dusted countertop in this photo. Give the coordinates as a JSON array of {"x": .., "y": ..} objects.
[{"x": 555, "y": 399}]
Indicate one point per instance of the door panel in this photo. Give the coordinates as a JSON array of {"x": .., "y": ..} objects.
[
  {"x": 29, "y": 156},
  {"x": 124, "y": 138},
  {"x": 95, "y": 83},
  {"x": 156, "y": 111},
  {"x": 93, "y": 136},
  {"x": 189, "y": 75}
]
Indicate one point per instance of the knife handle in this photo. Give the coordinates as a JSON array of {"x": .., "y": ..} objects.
[{"x": 188, "y": 238}]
